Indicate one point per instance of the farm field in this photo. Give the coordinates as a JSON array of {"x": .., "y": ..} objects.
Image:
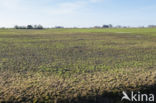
[{"x": 76, "y": 65}]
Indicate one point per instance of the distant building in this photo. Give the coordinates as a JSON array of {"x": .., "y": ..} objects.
[
  {"x": 105, "y": 26},
  {"x": 152, "y": 26},
  {"x": 97, "y": 27},
  {"x": 58, "y": 27}
]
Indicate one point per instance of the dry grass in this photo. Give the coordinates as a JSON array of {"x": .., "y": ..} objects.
[{"x": 33, "y": 87}]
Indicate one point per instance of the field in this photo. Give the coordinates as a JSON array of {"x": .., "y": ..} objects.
[{"x": 76, "y": 65}]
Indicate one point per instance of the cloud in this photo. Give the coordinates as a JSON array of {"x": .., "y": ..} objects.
[
  {"x": 95, "y": 1},
  {"x": 9, "y": 4},
  {"x": 70, "y": 7},
  {"x": 54, "y": 7},
  {"x": 66, "y": 8},
  {"x": 47, "y": 12}
]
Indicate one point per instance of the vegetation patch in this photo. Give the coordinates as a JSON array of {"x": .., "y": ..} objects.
[{"x": 75, "y": 65}]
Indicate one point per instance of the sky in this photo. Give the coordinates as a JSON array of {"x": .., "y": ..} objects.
[{"x": 77, "y": 13}]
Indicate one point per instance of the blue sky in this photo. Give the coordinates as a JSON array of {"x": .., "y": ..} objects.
[{"x": 80, "y": 13}]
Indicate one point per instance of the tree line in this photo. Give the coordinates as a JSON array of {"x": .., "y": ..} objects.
[
  {"x": 59, "y": 27},
  {"x": 29, "y": 27}
]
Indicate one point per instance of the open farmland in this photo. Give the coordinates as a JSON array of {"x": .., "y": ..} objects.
[{"x": 75, "y": 65}]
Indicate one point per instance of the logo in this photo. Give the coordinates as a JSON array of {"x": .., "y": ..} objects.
[{"x": 138, "y": 97}]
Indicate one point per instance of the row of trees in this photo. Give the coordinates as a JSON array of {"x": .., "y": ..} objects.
[
  {"x": 120, "y": 26},
  {"x": 34, "y": 27},
  {"x": 41, "y": 27},
  {"x": 111, "y": 26},
  {"x": 29, "y": 27},
  {"x": 103, "y": 26}
]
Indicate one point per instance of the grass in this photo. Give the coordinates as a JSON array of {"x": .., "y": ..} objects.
[{"x": 75, "y": 65}]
